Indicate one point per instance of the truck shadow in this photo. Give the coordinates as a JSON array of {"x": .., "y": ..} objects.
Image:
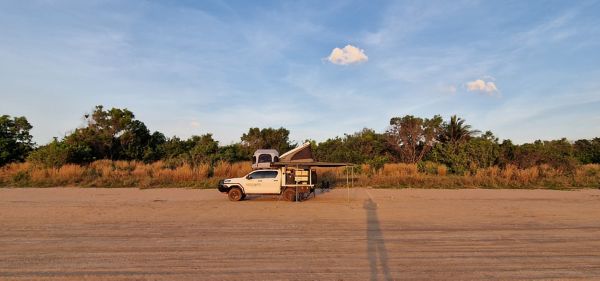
[
  {"x": 376, "y": 244},
  {"x": 320, "y": 191}
]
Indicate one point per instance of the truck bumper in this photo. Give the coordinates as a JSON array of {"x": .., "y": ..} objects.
[{"x": 222, "y": 187}]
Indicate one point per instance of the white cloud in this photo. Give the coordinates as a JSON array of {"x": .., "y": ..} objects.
[
  {"x": 195, "y": 124},
  {"x": 347, "y": 55},
  {"x": 449, "y": 89},
  {"x": 480, "y": 85}
]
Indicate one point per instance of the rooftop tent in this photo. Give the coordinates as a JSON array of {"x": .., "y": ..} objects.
[
  {"x": 302, "y": 153},
  {"x": 263, "y": 158}
]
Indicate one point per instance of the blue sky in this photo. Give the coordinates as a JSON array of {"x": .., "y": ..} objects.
[{"x": 525, "y": 70}]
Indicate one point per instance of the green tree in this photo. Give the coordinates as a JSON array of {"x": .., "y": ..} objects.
[
  {"x": 413, "y": 137},
  {"x": 154, "y": 151},
  {"x": 267, "y": 138},
  {"x": 460, "y": 157},
  {"x": 456, "y": 131},
  {"x": 134, "y": 141},
  {"x": 173, "y": 147},
  {"x": 203, "y": 149},
  {"x": 54, "y": 154},
  {"x": 80, "y": 146},
  {"x": 232, "y": 153},
  {"x": 461, "y": 151},
  {"x": 365, "y": 146},
  {"x": 195, "y": 150},
  {"x": 483, "y": 151},
  {"x": 507, "y": 153},
  {"x": 333, "y": 150},
  {"x": 587, "y": 151},
  {"x": 112, "y": 134},
  {"x": 15, "y": 140},
  {"x": 455, "y": 156},
  {"x": 107, "y": 126},
  {"x": 556, "y": 153}
]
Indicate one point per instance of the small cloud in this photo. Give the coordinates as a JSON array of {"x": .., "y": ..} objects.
[
  {"x": 347, "y": 55},
  {"x": 450, "y": 89},
  {"x": 195, "y": 124},
  {"x": 446, "y": 88},
  {"x": 480, "y": 85}
]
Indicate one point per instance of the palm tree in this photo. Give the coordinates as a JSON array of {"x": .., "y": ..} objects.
[{"x": 457, "y": 131}]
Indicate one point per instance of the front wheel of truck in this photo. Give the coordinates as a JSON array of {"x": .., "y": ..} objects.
[{"x": 235, "y": 194}]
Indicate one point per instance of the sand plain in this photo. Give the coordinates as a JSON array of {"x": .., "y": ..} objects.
[{"x": 360, "y": 234}]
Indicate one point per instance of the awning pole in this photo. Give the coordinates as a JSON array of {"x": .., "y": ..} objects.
[
  {"x": 347, "y": 185},
  {"x": 352, "y": 176}
]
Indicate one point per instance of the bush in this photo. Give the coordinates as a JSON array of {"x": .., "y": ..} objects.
[
  {"x": 54, "y": 154},
  {"x": 21, "y": 178}
]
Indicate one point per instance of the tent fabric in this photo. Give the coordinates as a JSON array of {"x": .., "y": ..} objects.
[
  {"x": 302, "y": 157},
  {"x": 302, "y": 153}
]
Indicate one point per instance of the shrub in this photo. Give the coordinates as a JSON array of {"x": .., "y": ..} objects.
[
  {"x": 54, "y": 154},
  {"x": 21, "y": 177}
]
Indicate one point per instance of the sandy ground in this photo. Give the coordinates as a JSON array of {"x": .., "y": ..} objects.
[{"x": 179, "y": 234}]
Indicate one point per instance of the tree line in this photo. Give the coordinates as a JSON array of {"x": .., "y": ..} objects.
[{"x": 116, "y": 134}]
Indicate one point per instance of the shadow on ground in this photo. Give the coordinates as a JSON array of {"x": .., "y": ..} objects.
[
  {"x": 376, "y": 250},
  {"x": 318, "y": 192}
]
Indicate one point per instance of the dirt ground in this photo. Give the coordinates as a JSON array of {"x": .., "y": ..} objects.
[{"x": 184, "y": 234}]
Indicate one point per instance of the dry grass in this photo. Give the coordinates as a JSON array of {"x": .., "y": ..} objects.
[
  {"x": 442, "y": 170},
  {"x": 231, "y": 170},
  {"x": 105, "y": 173},
  {"x": 399, "y": 170},
  {"x": 400, "y": 175}
]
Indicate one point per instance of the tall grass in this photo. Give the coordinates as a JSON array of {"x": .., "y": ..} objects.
[
  {"x": 400, "y": 175},
  {"x": 225, "y": 169},
  {"x": 106, "y": 173}
]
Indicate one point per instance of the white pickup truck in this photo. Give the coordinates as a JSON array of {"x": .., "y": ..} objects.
[
  {"x": 291, "y": 183},
  {"x": 290, "y": 175}
]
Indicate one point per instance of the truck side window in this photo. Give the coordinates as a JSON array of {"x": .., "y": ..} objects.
[
  {"x": 270, "y": 174},
  {"x": 263, "y": 175},
  {"x": 255, "y": 175}
]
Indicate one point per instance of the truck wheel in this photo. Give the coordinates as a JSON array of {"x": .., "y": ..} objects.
[
  {"x": 289, "y": 194},
  {"x": 235, "y": 194}
]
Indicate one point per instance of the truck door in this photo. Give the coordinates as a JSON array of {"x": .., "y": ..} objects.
[{"x": 263, "y": 182}]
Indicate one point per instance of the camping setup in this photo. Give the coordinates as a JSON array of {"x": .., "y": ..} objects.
[{"x": 292, "y": 175}]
